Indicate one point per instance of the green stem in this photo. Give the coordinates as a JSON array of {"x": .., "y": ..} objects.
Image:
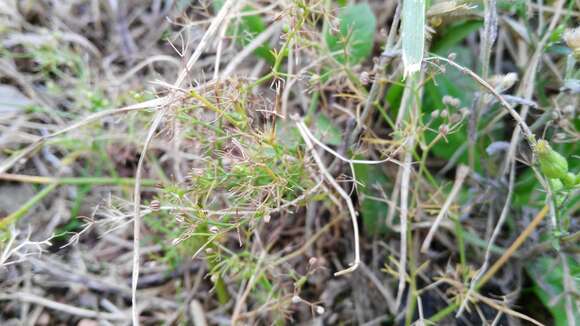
[
  {"x": 99, "y": 181},
  {"x": 444, "y": 313},
  {"x": 221, "y": 290},
  {"x": 275, "y": 73},
  {"x": 18, "y": 214},
  {"x": 313, "y": 106},
  {"x": 461, "y": 247}
]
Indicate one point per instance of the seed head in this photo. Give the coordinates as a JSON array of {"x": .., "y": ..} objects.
[
  {"x": 314, "y": 78},
  {"x": 503, "y": 82},
  {"x": 196, "y": 172},
  {"x": 444, "y": 129},
  {"x": 383, "y": 32},
  {"x": 312, "y": 261},
  {"x": 572, "y": 38},
  {"x": 451, "y": 101},
  {"x": 155, "y": 205},
  {"x": 320, "y": 310},
  {"x": 552, "y": 163},
  {"x": 569, "y": 180},
  {"x": 569, "y": 110},
  {"x": 455, "y": 117},
  {"x": 435, "y": 21},
  {"x": 364, "y": 78}
]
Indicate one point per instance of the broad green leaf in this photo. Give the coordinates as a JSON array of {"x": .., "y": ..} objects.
[
  {"x": 326, "y": 131},
  {"x": 548, "y": 278},
  {"x": 394, "y": 96},
  {"x": 322, "y": 128},
  {"x": 373, "y": 211},
  {"x": 356, "y": 34},
  {"x": 288, "y": 135},
  {"x": 453, "y": 35},
  {"x": 413, "y": 34}
]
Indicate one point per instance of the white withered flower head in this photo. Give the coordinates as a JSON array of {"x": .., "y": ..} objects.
[{"x": 572, "y": 38}]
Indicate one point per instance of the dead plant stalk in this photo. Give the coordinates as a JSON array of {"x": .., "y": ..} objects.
[
  {"x": 462, "y": 173},
  {"x": 341, "y": 192}
]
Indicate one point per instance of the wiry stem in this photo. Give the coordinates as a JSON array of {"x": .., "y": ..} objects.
[{"x": 344, "y": 196}]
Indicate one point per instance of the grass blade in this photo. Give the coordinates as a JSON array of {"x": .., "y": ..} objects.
[{"x": 413, "y": 34}]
